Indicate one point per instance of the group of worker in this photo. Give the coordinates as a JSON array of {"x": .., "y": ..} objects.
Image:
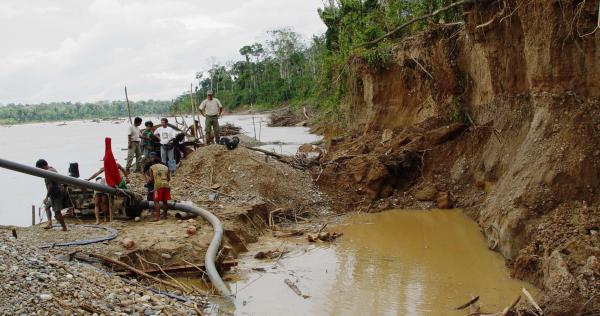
[{"x": 157, "y": 169}]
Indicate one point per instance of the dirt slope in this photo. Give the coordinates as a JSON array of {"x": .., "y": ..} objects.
[{"x": 505, "y": 123}]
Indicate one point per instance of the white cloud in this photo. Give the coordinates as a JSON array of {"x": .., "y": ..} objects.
[{"x": 84, "y": 50}]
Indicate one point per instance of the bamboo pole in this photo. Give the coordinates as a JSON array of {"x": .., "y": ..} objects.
[{"x": 128, "y": 108}]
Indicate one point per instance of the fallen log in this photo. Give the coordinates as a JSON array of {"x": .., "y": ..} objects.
[
  {"x": 295, "y": 288},
  {"x": 294, "y": 233}
]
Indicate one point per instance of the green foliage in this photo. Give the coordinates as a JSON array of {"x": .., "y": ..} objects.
[
  {"x": 287, "y": 69},
  {"x": 64, "y": 111}
]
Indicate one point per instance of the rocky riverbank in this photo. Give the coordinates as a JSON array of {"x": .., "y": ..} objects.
[{"x": 34, "y": 282}]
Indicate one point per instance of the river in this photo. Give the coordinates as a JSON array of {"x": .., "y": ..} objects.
[
  {"x": 398, "y": 262},
  {"x": 83, "y": 142}
]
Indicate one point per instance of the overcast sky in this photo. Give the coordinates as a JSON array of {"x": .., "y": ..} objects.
[{"x": 87, "y": 50}]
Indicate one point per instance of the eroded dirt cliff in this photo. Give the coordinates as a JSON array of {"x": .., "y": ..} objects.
[{"x": 499, "y": 116}]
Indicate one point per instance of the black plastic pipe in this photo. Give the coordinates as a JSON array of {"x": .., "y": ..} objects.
[{"x": 213, "y": 248}]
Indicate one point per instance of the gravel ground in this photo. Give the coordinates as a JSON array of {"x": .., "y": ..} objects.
[{"x": 34, "y": 282}]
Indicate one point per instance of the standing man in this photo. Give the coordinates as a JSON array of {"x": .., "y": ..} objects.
[
  {"x": 211, "y": 109},
  {"x": 102, "y": 202},
  {"x": 149, "y": 139},
  {"x": 133, "y": 145},
  {"x": 166, "y": 134},
  {"x": 160, "y": 176},
  {"x": 55, "y": 194}
]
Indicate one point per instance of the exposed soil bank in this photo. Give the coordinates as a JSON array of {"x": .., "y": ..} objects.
[{"x": 502, "y": 120}]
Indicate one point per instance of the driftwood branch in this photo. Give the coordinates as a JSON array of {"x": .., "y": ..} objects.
[
  {"x": 469, "y": 303},
  {"x": 266, "y": 152},
  {"x": 136, "y": 271},
  {"x": 532, "y": 301},
  {"x": 423, "y": 17}
]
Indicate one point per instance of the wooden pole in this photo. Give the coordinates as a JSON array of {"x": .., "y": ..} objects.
[
  {"x": 33, "y": 215},
  {"x": 128, "y": 109},
  {"x": 193, "y": 112}
]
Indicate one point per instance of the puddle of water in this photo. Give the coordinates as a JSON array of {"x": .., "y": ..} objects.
[{"x": 390, "y": 263}]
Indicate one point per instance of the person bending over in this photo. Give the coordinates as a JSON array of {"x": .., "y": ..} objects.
[
  {"x": 54, "y": 197},
  {"x": 161, "y": 177}
]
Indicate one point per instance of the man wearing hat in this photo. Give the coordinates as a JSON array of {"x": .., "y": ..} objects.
[{"x": 211, "y": 109}]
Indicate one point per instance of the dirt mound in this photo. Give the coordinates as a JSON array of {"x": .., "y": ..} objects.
[
  {"x": 527, "y": 86},
  {"x": 242, "y": 175}
]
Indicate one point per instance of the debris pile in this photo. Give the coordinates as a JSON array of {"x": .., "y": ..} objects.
[
  {"x": 286, "y": 117},
  {"x": 229, "y": 129}
]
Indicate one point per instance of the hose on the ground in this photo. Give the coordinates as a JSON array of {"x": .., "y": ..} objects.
[
  {"x": 112, "y": 235},
  {"x": 213, "y": 247}
]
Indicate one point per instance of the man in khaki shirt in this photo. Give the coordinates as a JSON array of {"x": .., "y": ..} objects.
[{"x": 211, "y": 109}]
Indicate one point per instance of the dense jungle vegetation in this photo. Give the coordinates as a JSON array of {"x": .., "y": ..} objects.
[
  {"x": 64, "y": 111},
  {"x": 287, "y": 68}
]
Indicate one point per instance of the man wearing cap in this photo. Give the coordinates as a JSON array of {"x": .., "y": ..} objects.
[
  {"x": 211, "y": 109},
  {"x": 54, "y": 197}
]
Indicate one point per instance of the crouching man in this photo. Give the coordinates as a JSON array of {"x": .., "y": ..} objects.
[
  {"x": 161, "y": 177},
  {"x": 54, "y": 197}
]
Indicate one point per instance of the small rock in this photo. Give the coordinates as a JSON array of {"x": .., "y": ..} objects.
[
  {"x": 128, "y": 243},
  {"x": 166, "y": 255},
  {"x": 443, "y": 200},
  {"x": 137, "y": 219},
  {"x": 191, "y": 230},
  {"x": 45, "y": 297}
]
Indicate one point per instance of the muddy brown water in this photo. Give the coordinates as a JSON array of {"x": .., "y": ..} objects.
[{"x": 390, "y": 263}]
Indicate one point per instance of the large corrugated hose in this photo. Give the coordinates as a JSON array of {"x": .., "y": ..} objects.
[{"x": 213, "y": 248}]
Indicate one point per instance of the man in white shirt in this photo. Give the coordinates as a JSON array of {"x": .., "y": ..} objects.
[
  {"x": 133, "y": 145},
  {"x": 211, "y": 109},
  {"x": 166, "y": 134}
]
